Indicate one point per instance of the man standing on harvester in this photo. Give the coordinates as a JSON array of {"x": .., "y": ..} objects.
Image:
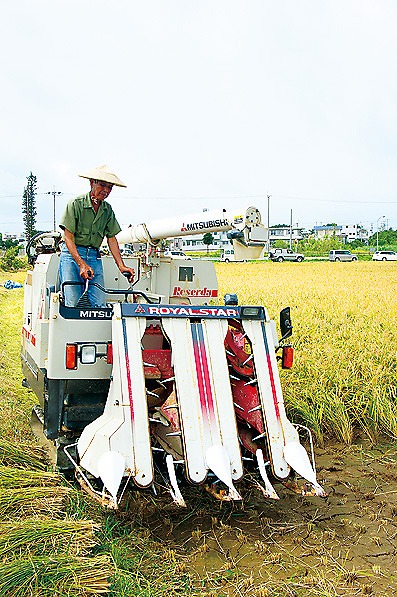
[{"x": 87, "y": 220}]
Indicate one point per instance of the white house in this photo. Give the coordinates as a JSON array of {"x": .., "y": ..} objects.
[
  {"x": 344, "y": 232},
  {"x": 285, "y": 233}
]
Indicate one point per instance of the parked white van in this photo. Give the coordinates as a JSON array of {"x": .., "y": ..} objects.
[{"x": 227, "y": 255}]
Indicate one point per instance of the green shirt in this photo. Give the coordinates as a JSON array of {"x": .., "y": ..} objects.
[{"x": 89, "y": 228}]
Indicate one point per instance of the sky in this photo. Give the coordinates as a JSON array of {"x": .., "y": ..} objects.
[{"x": 202, "y": 104}]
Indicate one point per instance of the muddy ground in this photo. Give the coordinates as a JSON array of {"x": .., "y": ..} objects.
[{"x": 345, "y": 544}]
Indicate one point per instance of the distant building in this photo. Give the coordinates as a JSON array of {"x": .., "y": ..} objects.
[
  {"x": 286, "y": 234},
  {"x": 322, "y": 232},
  {"x": 19, "y": 237},
  {"x": 354, "y": 232},
  {"x": 344, "y": 232}
]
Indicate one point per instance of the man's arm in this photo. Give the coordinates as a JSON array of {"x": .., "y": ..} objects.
[
  {"x": 86, "y": 271},
  {"x": 115, "y": 251}
]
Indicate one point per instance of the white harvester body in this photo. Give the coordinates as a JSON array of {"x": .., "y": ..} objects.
[{"x": 163, "y": 378}]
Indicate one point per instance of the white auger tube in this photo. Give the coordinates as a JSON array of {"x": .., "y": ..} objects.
[{"x": 247, "y": 220}]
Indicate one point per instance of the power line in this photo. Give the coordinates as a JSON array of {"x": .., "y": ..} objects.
[
  {"x": 264, "y": 196},
  {"x": 335, "y": 200},
  {"x": 221, "y": 197}
]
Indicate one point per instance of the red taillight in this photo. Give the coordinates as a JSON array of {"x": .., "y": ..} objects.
[
  {"x": 288, "y": 357},
  {"x": 109, "y": 353},
  {"x": 71, "y": 356}
]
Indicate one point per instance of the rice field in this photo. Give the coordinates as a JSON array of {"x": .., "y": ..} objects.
[
  {"x": 55, "y": 541},
  {"x": 343, "y": 384}
]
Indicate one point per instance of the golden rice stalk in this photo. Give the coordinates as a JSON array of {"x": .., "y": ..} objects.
[
  {"x": 22, "y": 454},
  {"x": 303, "y": 412},
  {"x": 345, "y": 365},
  {"x": 382, "y": 411},
  {"x": 35, "y": 536},
  {"x": 336, "y": 418},
  {"x": 55, "y": 576},
  {"x": 33, "y": 501},
  {"x": 17, "y": 477}
]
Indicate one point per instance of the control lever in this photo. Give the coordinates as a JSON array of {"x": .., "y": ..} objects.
[{"x": 147, "y": 299}]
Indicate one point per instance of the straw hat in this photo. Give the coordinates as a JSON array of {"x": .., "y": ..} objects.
[{"x": 105, "y": 174}]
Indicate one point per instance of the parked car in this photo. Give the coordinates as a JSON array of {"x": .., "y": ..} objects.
[
  {"x": 227, "y": 255},
  {"x": 342, "y": 255},
  {"x": 384, "y": 256},
  {"x": 285, "y": 255},
  {"x": 175, "y": 254}
]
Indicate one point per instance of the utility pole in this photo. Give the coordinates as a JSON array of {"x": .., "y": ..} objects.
[
  {"x": 268, "y": 222},
  {"x": 377, "y": 231},
  {"x": 54, "y": 193}
]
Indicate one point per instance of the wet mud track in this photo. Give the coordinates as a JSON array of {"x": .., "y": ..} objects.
[{"x": 342, "y": 545}]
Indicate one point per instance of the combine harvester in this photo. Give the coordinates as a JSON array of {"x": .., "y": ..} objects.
[{"x": 162, "y": 386}]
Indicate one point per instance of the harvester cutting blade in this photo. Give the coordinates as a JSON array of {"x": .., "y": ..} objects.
[
  {"x": 218, "y": 461},
  {"x": 298, "y": 459},
  {"x": 111, "y": 467},
  {"x": 175, "y": 491},
  {"x": 205, "y": 399},
  {"x": 269, "y": 490},
  {"x": 124, "y": 425}
]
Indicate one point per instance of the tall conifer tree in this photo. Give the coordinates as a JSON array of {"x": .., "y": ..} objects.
[{"x": 29, "y": 207}]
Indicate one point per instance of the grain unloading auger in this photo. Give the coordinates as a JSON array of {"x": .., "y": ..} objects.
[{"x": 159, "y": 386}]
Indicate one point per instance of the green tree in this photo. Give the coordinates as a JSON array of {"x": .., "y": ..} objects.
[
  {"x": 208, "y": 239},
  {"x": 385, "y": 238},
  {"x": 29, "y": 207},
  {"x": 315, "y": 246},
  {"x": 280, "y": 244},
  {"x": 8, "y": 242},
  {"x": 10, "y": 262}
]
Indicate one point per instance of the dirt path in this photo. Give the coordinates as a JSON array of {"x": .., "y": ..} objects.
[{"x": 345, "y": 544}]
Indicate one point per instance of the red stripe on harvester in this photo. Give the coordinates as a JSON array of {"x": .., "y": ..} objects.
[
  {"x": 127, "y": 365},
  {"x": 202, "y": 370},
  {"x": 270, "y": 367}
]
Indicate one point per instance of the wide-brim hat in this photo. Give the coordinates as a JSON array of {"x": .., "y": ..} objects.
[{"x": 105, "y": 174}]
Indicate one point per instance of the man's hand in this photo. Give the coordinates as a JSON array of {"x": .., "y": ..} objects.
[
  {"x": 86, "y": 272},
  {"x": 128, "y": 270}
]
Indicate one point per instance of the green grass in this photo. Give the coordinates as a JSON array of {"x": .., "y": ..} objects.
[{"x": 14, "y": 399}]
